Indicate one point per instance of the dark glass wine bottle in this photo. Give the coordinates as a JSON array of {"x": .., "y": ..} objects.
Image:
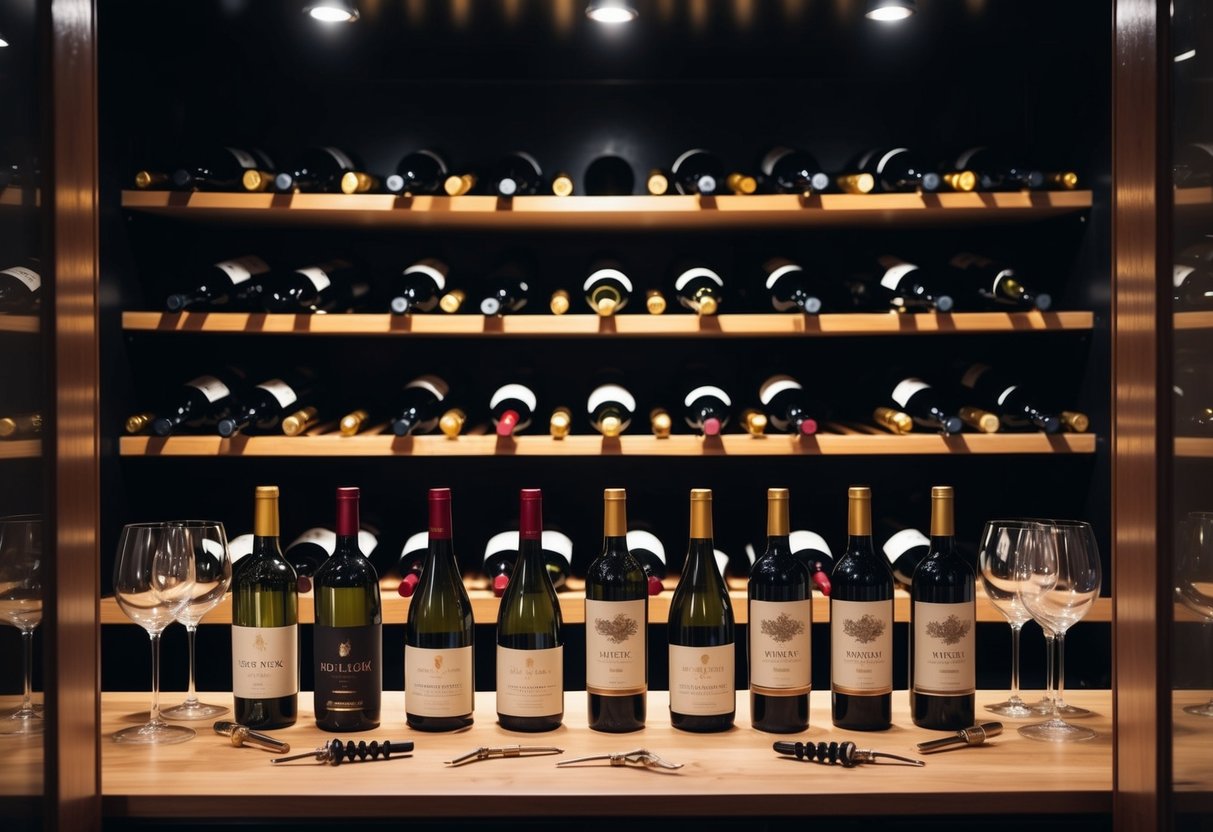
[
  {"x": 512, "y": 407},
  {"x": 616, "y": 630},
  {"x": 324, "y": 170},
  {"x": 788, "y": 170},
  {"x": 1192, "y": 165},
  {"x": 439, "y": 661},
  {"x": 331, "y": 286},
  {"x": 791, "y": 289},
  {"x": 905, "y": 549},
  {"x": 707, "y": 409},
  {"x": 703, "y": 694},
  {"x": 348, "y": 636},
  {"x": 904, "y": 287},
  {"x": 698, "y": 171},
  {"x": 517, "y": 174},
  {"x": 20, "y": 288},
  {"x": 265, "y": 626},
  {"x": 649, "y": 551},
  {"x": 21, "y": 426},
  {"x": 607, "y": 289},
  {"x": 419, "y": 406},
  {"x": 924, "y": 405},
  {"x": 699, "y": 289},
  {"x": 787, "y": 406},
  {"x": 420, "y": 172},
  {"x": 222, "y": 169},
  {"x": 897, "y": 169},
  {"x": 994, "y": 284},
  {"x": 609, "y": 176},
  {"x": 412, "y": 561},
  {"x": 308, "y": 552},
  {"x": 530, "y": 641},
  {"x": 861, "y": 626},
  {"x": 227, "y": 285},
  {"x": 995, "y": 172},
  {"x": 200, "y": 402},
  {"x": 781, "y": 621},
  {"x": 1192, "y": 279},
  {"x": 811, "y": 549},
  {"x": 419, "y": 287},
  {"x": 1015, "y": 404},
  {"x": 610, "y": 408},
  {"x": 264, "y": 407},
  {"x": 943, "y": 627},
  {"x": 507, "y": 290}
]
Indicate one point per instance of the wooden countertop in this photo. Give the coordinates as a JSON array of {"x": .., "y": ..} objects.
[{"x": 730, "y": 774}]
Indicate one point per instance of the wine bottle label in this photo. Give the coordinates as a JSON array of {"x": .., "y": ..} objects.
[
  {"x": 614, "y": 647},
  {"x": 344, "y": 162},
  {"x": 349, "y": 667},
  {"x": 702, "y": 680},
  {"x": 530, "y": 682},
  {"x": 944, "y": 639},
  {"x": 895, "y": 272},
  {"x": 433, "y": 384},
  {"x": 861, "y": 647},
  {"x": 520, "y": 392},
  {"x": 780, "y": 662},
  {"x": 432, "y": 269},
  {"x": 611, "y": 393},
  {"x": 906, "y": 389},
  {"x": 265, "y": 661},
  {"x": 699, "y": 271},
  {"x": 775, "y": 385},
  {"x": 29, "y": 277},
  {"x": 211, "y": 387},
  {"x": 771, "y": 159},
  {"x": 245, "y": 160},
  {"x": 781, "y": 270},
  {"x": 888, "y": 157},
  {"x": 242, "y": 268},
  {"x": 708, "y": 390},
  {"x": 439, "y": 683},
  {"x": 972, "y": 375},
  {"x": 319, "y": 277},
  {"x": 281, "y": 391},
  {"x": 903, "y": 541},
  {"x": 1180, "y": 274}
]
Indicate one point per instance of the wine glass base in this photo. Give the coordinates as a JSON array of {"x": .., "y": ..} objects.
[
  {"x": 154, "y": 733},
  {"x": 11, "y": 712},
  {"x": 189, "y": 711},
  {"x": 1200, "y": 710},
  {"x": 1057, "y": 730},
  {"x": 1013, "y": 709},
  {"x": 22, "y": 723},
  {"x": 1045, "y": 708}
]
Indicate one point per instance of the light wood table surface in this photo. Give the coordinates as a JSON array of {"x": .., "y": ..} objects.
[{"x": 730, "y": 774}]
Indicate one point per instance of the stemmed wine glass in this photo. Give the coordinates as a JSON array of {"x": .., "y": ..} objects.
[
  {"x": 21, "y": 606},
  {"x": 1194, "y": 580},
  {"x": 1058, "y": 577},
  {"x": 153, "y": 582},
  {"x": 1000, "y": 540},
  {"x": 213, "y": 575}
]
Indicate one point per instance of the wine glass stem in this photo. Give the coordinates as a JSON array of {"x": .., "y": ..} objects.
[
  {"x": 1061, "y": 675},
  {"x": 192, "y": 697},
  {"x": 27, "y": 656},
  {"x": 1049, "y": 689},
  {"x": 155, "y": 712},
  {"x": 1015, "y": 630}
]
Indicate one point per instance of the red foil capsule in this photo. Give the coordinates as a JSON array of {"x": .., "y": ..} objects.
[
  {"x": 440, "y": 514},
  {"x": 347, "y": 512},
  {"x": 530, "y": 514}
]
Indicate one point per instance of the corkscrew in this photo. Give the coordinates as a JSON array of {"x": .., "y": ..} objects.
[
  {"x": 639, "y": 757},
  {"x": 485, "y": 753},
  {"x": 976, "y": 735},
  {"x": 844, "y": 754},
  {"x": 335, "y": 751},
  {"x": 243, "y": 735}
]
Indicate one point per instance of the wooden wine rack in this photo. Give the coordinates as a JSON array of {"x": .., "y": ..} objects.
[
  {"x": 20, "y": 323},
  {"x": 20, "y": 449}
]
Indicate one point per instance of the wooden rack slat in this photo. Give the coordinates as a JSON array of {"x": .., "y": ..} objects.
[
  {"x": 20, "y": 323},
  {"x": 20, "y": 449}
]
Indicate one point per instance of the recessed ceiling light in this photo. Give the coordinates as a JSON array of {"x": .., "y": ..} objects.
[
  {"x": 888, "y": 11},
  {"x": 332, "y": 11},
  {"x": 611, "y": 11}
]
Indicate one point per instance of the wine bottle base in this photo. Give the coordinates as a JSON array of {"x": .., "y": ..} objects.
[
  {"x": 702, "y": 724},
  {"x": 353, "y": 723},
  {"x": 438, "y": 724},
  {"x": 530, "y": 724}
]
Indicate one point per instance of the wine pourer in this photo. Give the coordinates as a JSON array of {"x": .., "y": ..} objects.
[
  {"x": 486, "y": 753},
  {"x": 845, "y": 754},
  {"x": 243, "y": 735},
  {"x": 639, "y": 757},
  {"x": 976, "y": 735}
]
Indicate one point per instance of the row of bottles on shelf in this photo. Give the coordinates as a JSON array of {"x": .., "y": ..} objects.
[
  {"x": 981, "y": 398},
  {"x": 965, "y": 282},
  {"x": 440, "y": 629},
  {"x": 697, "y": 171}
]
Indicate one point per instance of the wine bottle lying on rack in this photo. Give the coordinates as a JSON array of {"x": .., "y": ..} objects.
[
  {"x": 657, "y": 183},
  {"x": 21, "y": 288},
  {"x": 421, "y": 172},
  {"x": 325, "y": 170},
  {"x": 994, "y": 285},
  {"x": 264, "y": 407},
  {"x": 699, "y": 172},
  {"x": 419, "y": 287},
  {"x": 21, "y": 426},
  {"x": 707, "y": 409},
  {"x": 609, "y": 176},
  {"x": 811, "y": 549},
  {"x": 412, "y": 562},
  {"x": 902, "y": 286},
  {"x": 562, "y": 184},
  {"x": 896, "y": 170},
  {"x": 330, "y": 286},
  {"x": 995, "y": 172},
  {"x": 228, "y": 285},
  {"x": 560, "y": 423},
  {"x": 200, "y": 402},
  {"x": 649, "y": 551},
  {"x": 754, "y": 421},
  {"x": 512, "y": 407},
  {"x": 791, "y": 287},
  {"x": 501, "y": 552},
  {"x": 610, "y": 407},
  {"x": 787, "y": 170},
  {"x": 420, "y": 406},
  {"x": 221, "y": 169},
  {"x": 507, "y": 290},
  {"x": 607, "y": 289},
  {"x": 699, "y": 289},
  {"x": 924, "y": 405},
  {"x": 905, "y": 549},
  {"x": 516, "y": 174},
  {"x": 1016, "y": 406},
  {"x": 1192, "y": 394},
  {"x": 1192, "y": 165},
  {"x": 787, "y": 406},
  {"x": 310, "y": 550}
]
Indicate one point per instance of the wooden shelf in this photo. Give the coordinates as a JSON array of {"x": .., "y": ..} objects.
[
  {"x": 669, "y": 325},
  {"x": 1193, "y": 196},
  {"x": 20, "y": 449},
  {"x": 20, "y": 323},
  {"x": 572, "y": 606},
  {"x": 1194, "y": 447},
  {"x": 610, "y": 212},
  {"x": 857, "y": 444},
  {"x": 20, "y": 197},
  {"x": 730, "y": 774},
  {"x": 1187, "y": 321}
]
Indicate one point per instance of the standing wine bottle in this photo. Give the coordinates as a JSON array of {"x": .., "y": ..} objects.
[
  {"x": 609, "y": 176},
  {"x": 707, "y": 409},
  {"x": 419, "y": 287},
  {"x": 331, "y": 286},
  {"x": 1015, "y": 405},
  {"x": 309, "y": 551},
  {"x": 791, "y": 288},
  {"x": 265, "y": 626},
  {"x": 861, "y": 626},
  {"x": 897, "y": 170},
  {"x": 420, "y": 406},
  {"x": 787, "y": 170},
  {"x": 201, "y": 402},
  {"x": 516, "y": 174},
  {"x": 222, "y": 169},
  {"x": 419, "y": 172},
  {"x": 703, "y": 697},
  {"x": 905, "y": 549},
  {"x": 995, "y": 284},
  {"x": 616, "y": 632},
  {"x": 530, "y": 641},
  {"x": 699, "y": 289},
  {"x": 229, "y": 284},
  {"x": 439, "y": 663},
  {"x": 698, "y": 172},
  {"x": 348, "y": 634},
  {"x": 20, "y": 288},
  {"x": 781, "y": 620},
  {"x": 265, "y": 406},
  {"x": 788, "y": 406},
  {"x": 610, "y": 407},
  {"x": 943, "y": 616},
  {"x": 507, "y": 290},
  {"x": 924, "y": 405},
  {"x": 512, "y": 407},
  {"x": 324, "y": 170},
  {"x": 649, "y": 551},
  {"x": 607, "y": 289}
]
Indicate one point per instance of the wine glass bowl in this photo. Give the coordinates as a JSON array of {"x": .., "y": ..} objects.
[
  {"x": 1000, "y": 541},
  {"x": 21, "y": 607}
]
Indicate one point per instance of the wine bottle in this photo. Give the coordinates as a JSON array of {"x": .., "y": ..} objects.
[
  {"x": 559, "y": 303},
  {"x": 412, "y": 562},
  {"x": 701, "y": 658},
  {"x": 460, "y": 184},
  {"x": 560, "y": 423},
  {"x": 754, "y": 421},
  {"x": 707, "y": 409},
  {"x": 562, "y": 184},
  {"x": 146, "y": 180},
  {"x": 699, "y": 289},
  {"x": 439, "y": 661},
  {"x": 240, "y": 546},
  {"x": 698, "y": 172},
  {"x": 330, "y": 286},
  {"x": 995, "y": 284},
  {"x": 1192, "y": 165},
  {"x": 788, "y": 406},
  {"x": 616, "y": 632},
  {"x": 781, "y": 619},
  {"x": 995, "y": 172},
  {"x": 943, "y": 616},
  {"x": 861, "y": 626},
  {"x": 811, "y": 549},
  {"x": 607, "y": 289},
  {"x": 512, "y": 407},
  {"x": 516, "y": 174},
  {"x": 924, "y": 405},
  {"x": 609, "y": 176},
  {"x": 21, "y": 426},
  {"x": 1192, "y": 279},
  {"x": 352, "y": 423},
  {"x": 137, "y": 423},
  {"x": 419, "y": 172},
  {"x": 20, "y": 288},
  {"x": 897, "y": 170},
  {"x": 964, "y": 181},
  {"x": 348, "y": 635},
  {"x": 530, "y": 641},
  {"x": 788, "y": 170},
  {"x": 507, "y": 290},
  {"x": 310, "y": 550},
  {"x": 790, "y": 286},
  {"x": 301, "y": 420},
  {"x": 658, "y": 182},
  {"x": 420, "y": 406},
  {"x": 451, "y": 423},
  {"x": 324, "y": 170},
  {"x": 654, "y": 302},
  {"x": 905, "y": 549},
  {"x": 610, "y": 407},
  {"x": 221, "y": 169},
  {"x": 741, "y": 184},
  {"x": 452, "y": 301},
  {"x": 501, "y": 552},
  {"x": 265, "y": 626},
  {"x": 1191, "y": 394},
  {"x": 419, "y": 287},
  {"x": 660, "y": 422},
  {"x": 200, "y": 402},
  {"x": 1015, "y": 405},
  {"x": 1075, "y": 422},
  {"x": 229, "y": 284},
  {"x": 265, "y": 406},
  {"x": 905, "y": 287},
  {"x": 650, "y": 553},
  {"x": 893, "y": 420}
]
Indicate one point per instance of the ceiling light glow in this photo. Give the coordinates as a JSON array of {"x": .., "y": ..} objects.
[
  {"x": 611, "y": 12},
  {"x": 890, "y": 11},
  {"x": 332, "y": 11}
]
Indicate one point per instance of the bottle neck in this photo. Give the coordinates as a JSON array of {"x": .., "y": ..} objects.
[
  {"x": 700, "y": 572},
  {"x": 778, "y": 545}
]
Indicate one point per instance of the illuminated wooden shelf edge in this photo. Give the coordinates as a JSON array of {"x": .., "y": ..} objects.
[
  {"x": 1193, "y": 196},
  {"x": 20, "y": 449},
  {"x": 20, "y": 323},
  {"x": 1194, "y": 447},
  {"x": 1198, "y": 320},
  {"x": 13, "y": 197},
  {"x": 611, "y": 211},
  {"x": 675, "y": 324}
]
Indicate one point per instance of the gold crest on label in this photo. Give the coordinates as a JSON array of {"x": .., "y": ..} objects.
[
  {"x": 530, "y": 662},
  {"x": 344, "y": 649},
  {"x": 438, "y": 662},
  {"x": 705, "y": 658},
  {"x": 259, "y": 643}
]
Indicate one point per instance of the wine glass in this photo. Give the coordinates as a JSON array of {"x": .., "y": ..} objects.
[
  {"x": 1000, "y": 540},
  {"x": 153, "y": 581},
  {"x": 213, "y": 575},
  {"x": 1058, "y": 577},
  {"x": 21, "y": 606},
  {"x": 1194, "y": 579}
]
